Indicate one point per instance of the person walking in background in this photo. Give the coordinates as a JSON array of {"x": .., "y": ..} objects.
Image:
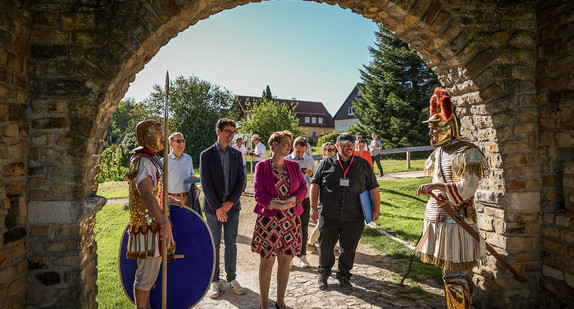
[
  {"x": 260, "y": 151},
  {"x": 327, "y": 149},
  {"x": 340, "y": 179},
  {"x": 363, "y": 153},
  {"x": 309, "y": 150},
  {"x": 307, "y": 166},
  {"x": 279, "y": 188},
  {"x": 221, "y": 171},
  {"x": 180, "y": 168},
  {"x": 241, "y": 148},
  {"x": 375, "y": 149},
  {"x": 358, "y": 136}
]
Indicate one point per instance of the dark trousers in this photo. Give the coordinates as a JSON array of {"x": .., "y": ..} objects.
[
  {"x": 377, "y": 159},
  {"x": 348, "y": 233},
  {"x": 305, "y": 224}
]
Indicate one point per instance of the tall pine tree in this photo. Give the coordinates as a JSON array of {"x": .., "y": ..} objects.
[{"x": 398, "y": 85}]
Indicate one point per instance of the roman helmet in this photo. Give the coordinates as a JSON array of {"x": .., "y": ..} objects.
[
  {"x": 442, "y": 119},
  {"x": 149, "y": 136}
]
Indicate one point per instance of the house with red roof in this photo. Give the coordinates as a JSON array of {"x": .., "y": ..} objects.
[{"x": 314, "y": 119}]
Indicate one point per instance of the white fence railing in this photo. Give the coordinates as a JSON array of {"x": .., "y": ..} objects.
[{"x": 408, "y": 150}]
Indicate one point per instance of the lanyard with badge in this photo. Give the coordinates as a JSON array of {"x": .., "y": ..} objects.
[{"x": 344, "y": 182}]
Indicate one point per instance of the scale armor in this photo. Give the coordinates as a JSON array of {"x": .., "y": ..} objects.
[{"x": 141, "y": 222}]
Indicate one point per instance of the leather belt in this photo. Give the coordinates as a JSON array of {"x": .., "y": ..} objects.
[{"x": 179, "y": 194}]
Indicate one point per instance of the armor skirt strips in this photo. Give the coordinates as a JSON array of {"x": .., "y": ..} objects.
[{"x": 447, "y": 245}]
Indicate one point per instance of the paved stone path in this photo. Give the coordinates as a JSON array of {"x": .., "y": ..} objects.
[{"x": 375, "y": 278}]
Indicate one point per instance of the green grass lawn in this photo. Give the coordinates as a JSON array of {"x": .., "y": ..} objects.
[
  {"x": 401, "y": 209},
  {"x": 402, "y": 215},
  {"x": 110, "y": 224},
  {"x": 114, "y": 189}
]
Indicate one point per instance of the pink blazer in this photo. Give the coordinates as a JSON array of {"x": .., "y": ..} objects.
[{"x": 264, "y": 187}]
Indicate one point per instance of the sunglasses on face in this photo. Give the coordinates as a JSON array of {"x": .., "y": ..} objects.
[
  {"x": 330, "y": 149},
  {"x": 180, "y": 141}
]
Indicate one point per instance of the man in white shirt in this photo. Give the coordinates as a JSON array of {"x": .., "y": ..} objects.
[
  {"x": 307, "y": 165},
  {"x": 180, "y": 168},
  {"x": 239, "y": 146},
  {"x": 260, "y": 151}
]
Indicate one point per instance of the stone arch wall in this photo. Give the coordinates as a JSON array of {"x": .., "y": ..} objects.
[{"x": 68, "y": 64}]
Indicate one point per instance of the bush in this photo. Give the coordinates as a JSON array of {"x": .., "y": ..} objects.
[
  {"x": 111, "y": 168},
  {"x": 330, "y": 137}
]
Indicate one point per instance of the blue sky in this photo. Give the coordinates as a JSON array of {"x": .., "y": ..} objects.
[{"x": 303, "y": 50}]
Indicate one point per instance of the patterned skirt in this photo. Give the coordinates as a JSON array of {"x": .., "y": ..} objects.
[{"x": 278, "y": 234}]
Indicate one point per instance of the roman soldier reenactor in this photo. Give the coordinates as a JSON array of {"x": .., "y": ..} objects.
[{"x": 456, "y": 168}]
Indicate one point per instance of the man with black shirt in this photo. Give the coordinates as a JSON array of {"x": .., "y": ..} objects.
[{"x": 338, "y": 182}]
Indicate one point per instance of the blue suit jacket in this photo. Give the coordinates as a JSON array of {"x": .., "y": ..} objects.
[{"x": 212, "y": 179}]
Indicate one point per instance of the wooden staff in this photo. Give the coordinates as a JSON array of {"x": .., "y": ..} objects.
[
  {"x": 165, "y": 195},
  {"x": 451, "y": 212}
]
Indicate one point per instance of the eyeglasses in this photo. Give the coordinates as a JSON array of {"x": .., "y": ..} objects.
[
  {"x": 228, "y": 131},
  {"x": 331, "y": 149},
  {"x": 180, "y": 141}
]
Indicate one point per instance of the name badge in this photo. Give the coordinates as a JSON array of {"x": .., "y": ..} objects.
[{"x": 344, "y": 182}]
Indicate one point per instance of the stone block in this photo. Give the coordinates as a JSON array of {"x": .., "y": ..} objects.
[
  {"x": 550, "y": 232},
  {"x": 549, "y": 218},
  {"x": 68, "y": 231},
  {"x": 38, "y": 263},
  {"x": 524, "y": 201},
  {"x": 570, "y": 251},
  {"x": 524, "y": 127},
  {"x": 15, "y": 187},
  {"x": 7, "y": 275},
  {"x": 4, "y": 258},
  {"x": 569, "y": 278},
  {"x": 17, "y": 286},
  {"x": 14, "y": 234},
  {"x": 41, "y": 296},
  {"x": 68, "y": 261},
  {"x": 517, "y": 159},
  {"x": 552, "y": 245},
  {"x": 564, "y": 140},
  {"x": 563, "y": 221},
  {"x": 62, "y": 246},
  {"x": 521, "y": 243},
  {"x": 565, "y": 263},
  {"x": 525, "y": 257},
  {"x": 18, "y": 251},
  {"x": 552, "y": 272}
]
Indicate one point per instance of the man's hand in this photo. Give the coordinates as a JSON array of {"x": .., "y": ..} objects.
[
  {"x": 225, "y": 207},
  {"x": 179, "y": 202},
  {"x": 375, "y": 215},
  {"x": 165, "y": 231},
  {"x": 221, "y": 217},
  {"x": 315, "y": 214},
  {"x": 427, "y": 188}
]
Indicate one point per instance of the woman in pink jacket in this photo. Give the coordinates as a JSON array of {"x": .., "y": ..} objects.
[{"x": 279, "y": 188}]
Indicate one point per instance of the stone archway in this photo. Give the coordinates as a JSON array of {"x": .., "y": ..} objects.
[{"x": 67, "y": 64}]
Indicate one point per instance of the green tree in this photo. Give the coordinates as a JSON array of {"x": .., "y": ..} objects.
[
  {"x": 397, "y": 88},
  {"x": 267, "y": 93},
  {"x": 263, "y": 117},
  {"x": 124, "y": 121},
  {"x": 195, "y": 106}
]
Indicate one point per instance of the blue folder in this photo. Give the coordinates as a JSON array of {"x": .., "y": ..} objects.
[{"x": 367, "y": 206}]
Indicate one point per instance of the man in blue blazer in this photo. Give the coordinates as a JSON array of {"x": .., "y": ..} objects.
[{"x": 222, "y": 178}]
